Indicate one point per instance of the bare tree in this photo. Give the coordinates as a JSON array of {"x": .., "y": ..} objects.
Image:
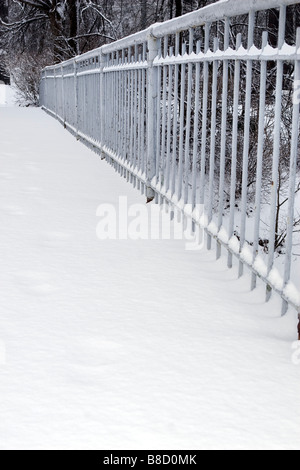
[
  {"x": 144, "y": 12},
  {"x": 72, "y": 26},
  {"x": 178, "y": 8},
  {"x": 4, "y": 14}
]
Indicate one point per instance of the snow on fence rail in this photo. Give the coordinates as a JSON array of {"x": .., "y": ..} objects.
[{"x": 201, "y": 111}]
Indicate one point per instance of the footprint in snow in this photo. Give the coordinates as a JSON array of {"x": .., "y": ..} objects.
[
  {"x": 12, "y": 210},
  {"x": 94, "y": 352},
  {"x": 55, "y": 239},
  {"x": 6, "y": 176},
  {"x": 35, "y": 283},
  {"x": 32, "y": 167},
  {"x": 8, "y": 154},
  {"x": 31, "y": 190}
]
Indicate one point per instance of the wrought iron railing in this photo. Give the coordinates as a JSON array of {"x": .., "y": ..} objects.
[{"x": 202, "y": 111}]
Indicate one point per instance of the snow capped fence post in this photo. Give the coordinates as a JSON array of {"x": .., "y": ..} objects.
[{"x": 152, "y": 114}]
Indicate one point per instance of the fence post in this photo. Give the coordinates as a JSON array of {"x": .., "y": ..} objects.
[
  {"x": 102, "y": 103},
  {"x": 46, "y": 91},
  {"x": 75, "y": 98},
  {"x": 55, "y": 91},
  {"x": 42, "y": 97},
  {"x": 152, "y": 115},
  {"x": 63, "y": 96}
]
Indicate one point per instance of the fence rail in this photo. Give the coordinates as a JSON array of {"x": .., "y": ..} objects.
[{"x": 202, "y": 111}]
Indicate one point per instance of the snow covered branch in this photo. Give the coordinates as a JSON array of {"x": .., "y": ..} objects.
[{"x": 82, "y": 36}]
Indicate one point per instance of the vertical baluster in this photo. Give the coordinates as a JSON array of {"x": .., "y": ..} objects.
[
  {"x": 187, "y": 163},
  {"x": 131, "y": 112},
  {"x": 181, "y": 125},
  {"x": 260, "y": 153},
  {"x": 158, "y": 120},
  {"x": 277, "y": 147},
  {"x": 135, "y": 119},
  {"x": 196, "y": 128},
  {"x": 213, "y": 141},
  {"x": 118, "y": 101},
  {"x": 223, "y": 135},
  {"x": 110, "y": 77},
  {"x": 106, "y": 116},
  {"x": 87, "y": 113},
  {"x": 144, "y": 108},
  {"x": 84, "y": 85},
  {"x": 204, "y": 118},
  {"x": 164, "y": 117},
  {"x": 107, "y": 105},
  {"x": 170, "y": 87},
  {"x": 246, "y": 138},
  {"x": 139, "y": 128},
  {"x": 236, "y": 94},
  {"x": 115, "y": 106},
  {"x": 75, "y": 66},
  {"x": 96, "y": 75},
  {"x": 89, "y": 101},
  {"x": 102, "y": 101},
  {"x": 175, "y": 118},
  {"x": 123, "y": 107},
  {"x": 63, "y": 116},
  {"x": 152, "y": 106},
  {"x": 126, "y": 111},
  {"x": 117, "y": 109},
  {"x": 55, "y": 92}
]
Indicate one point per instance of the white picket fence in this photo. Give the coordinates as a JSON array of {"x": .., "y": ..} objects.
[{"x": 172, "y": 109}]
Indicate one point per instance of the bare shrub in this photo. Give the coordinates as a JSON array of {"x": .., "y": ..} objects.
[{"x": 25, "y": 70}]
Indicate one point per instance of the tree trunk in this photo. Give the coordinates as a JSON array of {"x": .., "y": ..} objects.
[
  {"x": 4, "y": 10},
  {"x": 56, "y": 32},
  {"x": 171, "y": 5},
  {"x": 273, "y": 25},
  {"x": 4, "y": 15},
  {"x": 178, "y": 8},
  {"x": 144, "y": 12},
  {"x": 73, "y": 18}
]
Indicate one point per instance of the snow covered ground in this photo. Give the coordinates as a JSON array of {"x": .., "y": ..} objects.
[
  {"x": 7, "y": 95},
  {"x": 123, "y": 344}
]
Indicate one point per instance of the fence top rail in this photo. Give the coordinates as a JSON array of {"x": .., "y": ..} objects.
[
  {"x": 215, "y": 12},
  {"x": 209, "y": 14}
]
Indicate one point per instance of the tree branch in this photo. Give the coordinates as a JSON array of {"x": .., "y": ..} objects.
[
  {"x": 91, "y": 34},
  {"x": 40, "y": 5},
  {"x": 18, "y": 24},
  {"x": 95, "y": 7}
]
